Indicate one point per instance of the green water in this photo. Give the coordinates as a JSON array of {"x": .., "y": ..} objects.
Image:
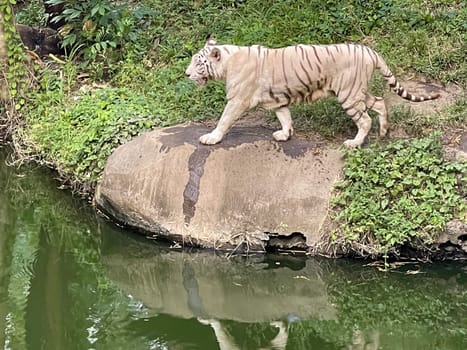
[{"x": 69, "y": 280}]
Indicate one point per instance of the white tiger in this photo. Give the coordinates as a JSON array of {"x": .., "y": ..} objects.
[{"x": 257, "y": 76}]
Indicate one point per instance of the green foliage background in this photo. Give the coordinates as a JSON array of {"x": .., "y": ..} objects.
[{"x": 144, "y": 47}]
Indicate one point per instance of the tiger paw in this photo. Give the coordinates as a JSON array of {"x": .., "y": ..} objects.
[
  {"x": 281, "y": 135},
  {"x": 383, "y": 131},
  {"x": 211, "y": 138},
  {"x": 352, "y": 143}
]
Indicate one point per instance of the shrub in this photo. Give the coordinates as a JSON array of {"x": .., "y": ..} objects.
[
  {"x": 396, "y": 194},
  {"x": 100, "y": 26},
  {"x": 32, "y": 14}
]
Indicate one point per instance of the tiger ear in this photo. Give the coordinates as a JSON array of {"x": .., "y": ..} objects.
[
  {"x": 210, "y": 40},
  {"x": 216, "y": 53}
]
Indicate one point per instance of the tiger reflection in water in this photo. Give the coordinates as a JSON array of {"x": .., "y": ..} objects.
[
  {"x": 224, "y": 339},
  {"x": 226, "y": 342},
  {"x": 360, "y": 340}
]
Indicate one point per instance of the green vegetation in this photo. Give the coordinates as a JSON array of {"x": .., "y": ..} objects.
[
  {"x": 69, "y": 138},
  {"x": 14, "y": 78},
  {"x": 399, "y": 193},
  {"x": 144, "y": 47},
  {"x": 418, "y": 124},
  {"x": 97, "y": 27},
  {"x": 33, "y": 14}
]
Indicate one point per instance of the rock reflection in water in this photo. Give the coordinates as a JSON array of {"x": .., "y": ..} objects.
[
  {"x": 210, "y": 288},
  {"x": 277, "y": 302},
  {"x": 207, "y": 286}
]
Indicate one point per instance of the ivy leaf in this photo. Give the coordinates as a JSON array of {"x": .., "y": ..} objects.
[
  {"x": 390, "y": 183},
  {"x": 384, "y": 203}
]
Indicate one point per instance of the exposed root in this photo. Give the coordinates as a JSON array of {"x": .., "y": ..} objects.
[
  {"x": 246, "y": 243},
  {"x": 341, "y": 246}
]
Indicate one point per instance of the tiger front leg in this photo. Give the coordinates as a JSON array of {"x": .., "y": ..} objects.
[
  {"x": 283, "y": 114},
  {"x": 232, "y": 111}
]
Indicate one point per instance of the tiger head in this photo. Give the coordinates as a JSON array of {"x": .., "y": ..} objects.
[{"x": 203, "y": 64}]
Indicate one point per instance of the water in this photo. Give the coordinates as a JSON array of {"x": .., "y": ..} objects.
[{"x": 70, "y": 280}]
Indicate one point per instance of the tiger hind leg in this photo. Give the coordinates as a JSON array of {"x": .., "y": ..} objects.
[
  {"x": 359, "y": 115},
  {"x": 283, "y": 114},
  {"x": 378, "y": 105}
]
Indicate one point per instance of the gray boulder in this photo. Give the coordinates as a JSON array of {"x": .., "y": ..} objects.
[{"x": 244, "y": 194}]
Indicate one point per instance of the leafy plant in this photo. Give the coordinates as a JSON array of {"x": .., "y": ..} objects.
[
  {"x": 400, "y": 193},
  {"x": 13, "y": 62},
  {"x": 32, "y": 14},
  {"x": 101, "y": 26}
]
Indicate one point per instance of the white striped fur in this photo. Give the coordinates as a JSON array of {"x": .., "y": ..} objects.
[{"x": 257, "y": 76}]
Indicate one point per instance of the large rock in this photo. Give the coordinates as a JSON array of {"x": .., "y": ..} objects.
[{"x": 243, "y": 193}]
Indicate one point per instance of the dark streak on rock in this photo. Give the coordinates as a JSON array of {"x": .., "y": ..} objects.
[
  {"x": 196, "y": 170},
  {"x": 180, "y": 135}
]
